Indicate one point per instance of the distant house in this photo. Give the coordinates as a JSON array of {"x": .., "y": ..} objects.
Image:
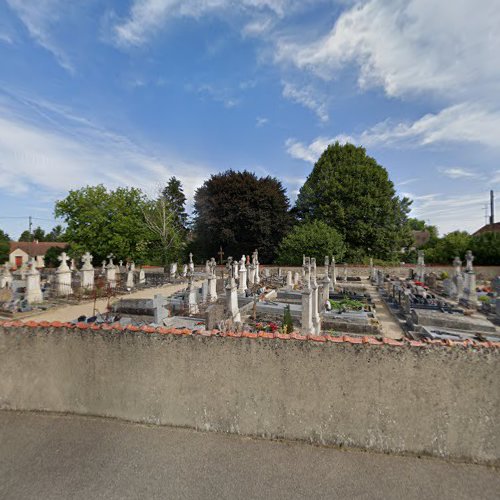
[
  {"x": 21, "y": 251},
  {"x": 489, "y": 228}
]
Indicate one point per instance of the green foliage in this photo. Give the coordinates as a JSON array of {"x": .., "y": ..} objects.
[
  {"x": 287, "y": 320},
  {"x": 51, "y": 256},
  {"x": 352, "y": 193},
  {"x": 444, "y": 275},
  {"x": 176, "y": 200},
  {"x": 486, "y": 249},
  {"x": 4, "y": 247},
  {"x": 346, "y": 304},
  {"x": 314, "y": 239},
  {"x": 164, "y": 223},
  {"x": 240, "y": 212},
  {"x": 104, "y": 222},
  {"x": 421, "y": 225},
  {"x": 485, "y": 299},
  {"x": 56, "y": 234},
  {"x": 26, "y": 236},
  {"x": 448, "y": 247}
]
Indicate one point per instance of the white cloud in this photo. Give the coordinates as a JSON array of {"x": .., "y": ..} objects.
[
  {"x": 216, "y": 93},
  {"x": 308, "y": 97},
  {"x": 6, "y": 38},
  {"x": 39, "y": 17},
  {"x": 261, "y": 121},
  {"x": 462, "y": 123},
  {"x": 409, "y": 46},
  {"x": 457, "y": 173},
  {"x": 451, "y": 213},
  {"x": 147, "y": 17},
  {"x": 64, "y": 151},
  {"x": 313, "y": 151}
]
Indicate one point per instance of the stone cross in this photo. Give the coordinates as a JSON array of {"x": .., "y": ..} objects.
[
  {"x": 87, "y": 261},
  {"x": 110, "y": 257},
  {"x": 221, "y": 255},
  {"x": 470, "y": 259},
  {"x": 457, "y": 265},
  {"x": 63, "y": 258}
]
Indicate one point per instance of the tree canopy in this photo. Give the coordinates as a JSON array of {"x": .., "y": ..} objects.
[
  {"x": 240, "y": 212},
  {"x": 104, "y": 222},
  {"x": 315, "y": 239},
  {"x": 4, "y": 247},
  {"x": 176, "y": 201},
  {"x": 351, "y": 192}
]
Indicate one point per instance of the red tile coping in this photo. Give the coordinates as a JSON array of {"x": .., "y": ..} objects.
[{"x": 345, "y": 339}]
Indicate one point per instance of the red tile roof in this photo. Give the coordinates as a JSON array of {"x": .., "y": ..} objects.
[
  {"x": 345, "y": 339},
  {"x": 489, "y": 228},
  {"x": 35, "y": 248}
]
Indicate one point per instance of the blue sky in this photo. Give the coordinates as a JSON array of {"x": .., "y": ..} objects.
[{"x": 133, "y": 92}]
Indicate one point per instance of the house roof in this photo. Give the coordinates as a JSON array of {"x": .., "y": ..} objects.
[
  {"x": 35, "y": 248},
  {"x": 489, "y": 228}
]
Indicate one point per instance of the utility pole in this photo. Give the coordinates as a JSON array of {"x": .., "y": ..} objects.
[{"x": 30, "y": 227}]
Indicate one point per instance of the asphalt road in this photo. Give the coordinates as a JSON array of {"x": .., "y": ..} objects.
[{"x": 68, "y": 457}]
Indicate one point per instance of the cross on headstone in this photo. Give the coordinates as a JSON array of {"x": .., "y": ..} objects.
[
  {"x": 111, "y": 257},
  {"x": 221, "y": 254},
  {"x": 190, "y": 258},
  {"x": 63, "y": 258},
  {"x": 87, "y": 258}
]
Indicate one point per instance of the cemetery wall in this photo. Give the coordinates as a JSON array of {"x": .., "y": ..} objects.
[
  {"x": 482, "y": 272},
  {"x": 438, "y": 398}
]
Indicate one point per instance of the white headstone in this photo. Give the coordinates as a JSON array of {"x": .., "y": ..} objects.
[
  {"x": 33, "y": 293},
  {"x": 87, "y": 271},
  {"x": 63, "y": 277}
]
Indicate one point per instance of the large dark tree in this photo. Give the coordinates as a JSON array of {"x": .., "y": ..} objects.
[
  {"x": 352, "y": 193},
  {"x": 241, "y": 213},
  {"x": 4, "y": 247}
]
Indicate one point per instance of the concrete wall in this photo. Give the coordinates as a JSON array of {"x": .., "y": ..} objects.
[
  {"x": 482, "y": 272},
  {"x": 422, "y": 399}
]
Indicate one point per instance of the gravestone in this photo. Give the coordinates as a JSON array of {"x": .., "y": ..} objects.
[
  {"x": 87, "y": 271},
  {"x": 316, "y": 320},
  {"x": 63, "y": 277},
  {"x": 5, "y": 276},
  {"x": 130, "y": 276},
  {"x": 243, "y": 277},
  {"x": 232, "y": 309},
  {"x": 111, "y": 272},
  {"x": 33, "y": 293},
  {"x": 307, "y": 321}
]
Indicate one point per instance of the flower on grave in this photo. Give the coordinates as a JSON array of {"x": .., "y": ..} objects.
[{"x": 273, "y": 326}]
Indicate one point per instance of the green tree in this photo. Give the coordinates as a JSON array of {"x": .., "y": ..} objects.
[
  {"x": 51, "y": 258},
  {"x": 241, "y": 213},
  {"x": 39, "y": 234},
  {"x": 314, "y": 239},
  {"x": 421, "y": 225},
  {"x": 4, "y": 247},
  {"x": 176, "y": 200},
  {"x": 486, "y": 249},
  {"x": 56, "y": 234},
  {"x": 104, "y": 222},
  {"x": 26, "y": 236},
  {"x": 452, "y": 245},
  {"x": 351, "y": 192},
  {"x": 165, "y": 223}
]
